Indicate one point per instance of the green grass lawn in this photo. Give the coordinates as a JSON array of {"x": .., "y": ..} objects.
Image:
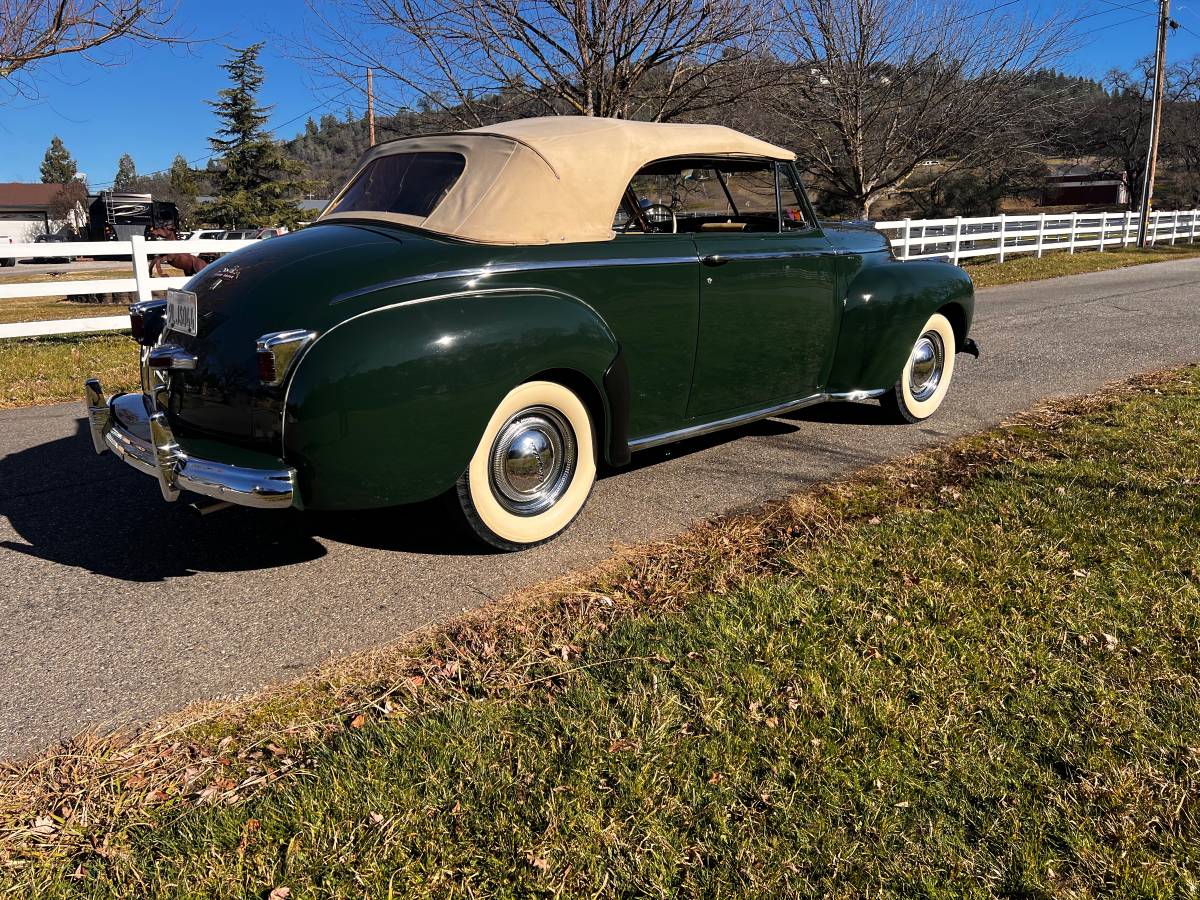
[
  {"x": 1026, "y": 267},
  {"x": 52, "y": 369},
  {"x": 973, "y": 673}
]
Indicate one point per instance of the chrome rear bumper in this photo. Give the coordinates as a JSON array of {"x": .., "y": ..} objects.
[{"x": 125, "y": 425}]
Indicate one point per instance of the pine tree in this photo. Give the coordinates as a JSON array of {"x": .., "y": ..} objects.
[
  {"x": 183, "y": 177},
  {"x": 126, "y": 173},
  {"x": 256, "y": 183},
  {"x": 58, "y": 166}
]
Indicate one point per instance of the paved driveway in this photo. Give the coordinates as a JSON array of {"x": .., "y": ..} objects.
[{"x": 115, "y": 606}]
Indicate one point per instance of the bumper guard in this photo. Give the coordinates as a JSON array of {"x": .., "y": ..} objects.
[{"x": 142, "y": 438}]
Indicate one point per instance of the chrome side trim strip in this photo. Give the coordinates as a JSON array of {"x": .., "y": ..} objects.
[
  {"x": 859, "y": 395},
  {"x": 548, "y": 265},
  {"x": 507, "y": 268},
  {"x": 778, "y": 254},
  {"x": 691, "y": 431}
]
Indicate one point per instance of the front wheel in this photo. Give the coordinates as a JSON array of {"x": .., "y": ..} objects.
[
  {"x": 927, "y": 373},
  {"x": 533, "y": 469}
]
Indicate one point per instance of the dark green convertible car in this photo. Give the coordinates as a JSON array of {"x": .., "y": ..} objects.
[{"x": 489, "y": 315}]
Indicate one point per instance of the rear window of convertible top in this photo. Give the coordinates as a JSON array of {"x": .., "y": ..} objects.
[{"x": 407, "y": 183}]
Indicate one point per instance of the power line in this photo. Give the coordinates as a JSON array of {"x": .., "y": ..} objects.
[
  {"x": 201, "y": 159},
  {"x": 1113, "y": 7},
  {"x": 1137, "y": 18}
]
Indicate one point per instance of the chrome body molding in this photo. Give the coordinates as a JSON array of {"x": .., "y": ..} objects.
[
  {"x": 508, "y": 268},
  {"x": 859, "y": 395},
  {"x": 680, "y": 434},
  {"x": 781, "y": 409},
  {"x": 125, "y": 425},
  {"x": 545, "y": 265}
]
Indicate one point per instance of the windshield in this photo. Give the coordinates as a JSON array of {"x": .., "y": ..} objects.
[{"x": 407, "y": 183}]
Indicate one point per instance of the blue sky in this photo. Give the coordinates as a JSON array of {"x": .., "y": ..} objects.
[{"x": 152, "y": 105}]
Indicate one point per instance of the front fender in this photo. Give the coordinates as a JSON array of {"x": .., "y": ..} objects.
[
  {"x": 388, "y": 406},
  {"x": 886, "y": 304}
]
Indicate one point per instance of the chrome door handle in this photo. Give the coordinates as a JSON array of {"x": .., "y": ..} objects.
[{"x": 714, "y": 259}]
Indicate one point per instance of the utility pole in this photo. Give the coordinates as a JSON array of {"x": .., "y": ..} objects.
[
  {"x": 371, "y": 103},
  {"x": 1160, "y": 65}
]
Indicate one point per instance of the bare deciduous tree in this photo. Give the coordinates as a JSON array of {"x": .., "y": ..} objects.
[
  {"x": 1117, "y": 129},
  {"x": 879, "y": 86},
  {"x": 480, "y": 60},
  {"x": 33, "y": 31}
]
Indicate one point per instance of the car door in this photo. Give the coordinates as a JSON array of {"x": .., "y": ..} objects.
[{"x": 768, "y": 299}]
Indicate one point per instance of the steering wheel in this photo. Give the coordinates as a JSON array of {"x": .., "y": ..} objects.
[{"x": 656, "y": 222}]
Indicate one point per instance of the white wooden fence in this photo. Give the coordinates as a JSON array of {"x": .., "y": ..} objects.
[
  {"x": 140, "y": 283},
  {"x": 954, "y": 239},
  {"x": 1002, "y": 236}
]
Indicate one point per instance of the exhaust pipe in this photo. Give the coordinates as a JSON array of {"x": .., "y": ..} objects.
[{"x": 205, "y": 507}]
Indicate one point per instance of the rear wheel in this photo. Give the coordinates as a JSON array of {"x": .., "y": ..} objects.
[
  {"x": 927, "y": 373},
  {"x": 532, "y": 470}
]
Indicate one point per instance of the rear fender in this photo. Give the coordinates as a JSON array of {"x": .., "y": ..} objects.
[{"x": 387, "y": 407}]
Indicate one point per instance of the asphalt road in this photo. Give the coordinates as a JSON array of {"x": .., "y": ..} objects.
[{"x": 115, "y": 607}]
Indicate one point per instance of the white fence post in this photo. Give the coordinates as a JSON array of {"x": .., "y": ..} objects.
[
  {"x": 1192, "y": 236},
  {"x": 1071, "y": 236},
  {"x": 141, "y": 267},
  {"x": 1174, "y": 226},
  {"x": 957, "y": 239},
  {"x": 1002, "y": 237},
  {"x": 1152, "y": 227},
  {"x": 1041, "y": 235},
  {"x": 1103, "y": 229},
  {"x": 907, "y": 237},
  {"x": 1125, "y": 236}
]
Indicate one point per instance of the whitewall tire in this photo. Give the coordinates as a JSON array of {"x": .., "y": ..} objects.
[
  {"x": 533, "y": 469},
  {"x": 927, "y": 373}
]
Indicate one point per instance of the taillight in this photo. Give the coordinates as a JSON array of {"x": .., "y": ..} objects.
[
  {"x": 137, "y": 323},
  {"x": 277, "y": 351},
  {"x": 146, "y": 320},
  {"x": 266, "y": 367}
]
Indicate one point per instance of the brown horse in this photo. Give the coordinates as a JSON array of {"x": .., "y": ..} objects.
[{"x": 186, "y": 261}]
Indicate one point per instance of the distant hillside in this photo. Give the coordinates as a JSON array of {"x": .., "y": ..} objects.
[{"x": 329, "y": 147}]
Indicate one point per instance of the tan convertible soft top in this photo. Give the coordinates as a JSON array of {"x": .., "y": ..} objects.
[{"x": 550, "y": 180}]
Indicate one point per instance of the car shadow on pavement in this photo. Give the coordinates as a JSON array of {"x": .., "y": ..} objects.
[
  {"x": 866, "y": 412},
  {"x": 656, "y": 455},
  {"x": 70, "y": 507}
]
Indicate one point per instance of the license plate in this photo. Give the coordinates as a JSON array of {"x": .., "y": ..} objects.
[{"x": 181, "y": 311}]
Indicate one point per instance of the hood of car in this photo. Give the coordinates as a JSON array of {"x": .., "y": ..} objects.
[
  {"x": 856, "y": 236},
  {"x": 277, "y": 285}
]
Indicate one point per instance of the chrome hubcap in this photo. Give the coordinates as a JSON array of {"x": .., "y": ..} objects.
[
  {"x": 925, "y": 366},
  {"x": 532, "y": 461}
]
